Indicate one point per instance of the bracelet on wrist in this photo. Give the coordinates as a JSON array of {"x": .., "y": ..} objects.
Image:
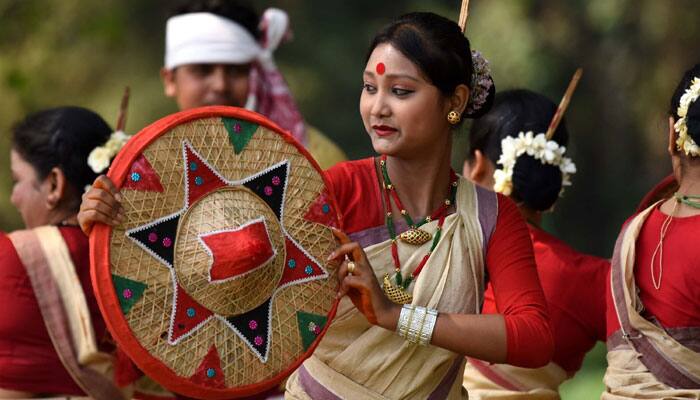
[{"x": 416, "y": 324}]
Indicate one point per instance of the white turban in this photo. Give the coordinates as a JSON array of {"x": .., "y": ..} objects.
[{"x": 206, "y": 38}]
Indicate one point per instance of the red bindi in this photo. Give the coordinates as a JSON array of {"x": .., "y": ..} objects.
[{"x": 381, "y": 68}]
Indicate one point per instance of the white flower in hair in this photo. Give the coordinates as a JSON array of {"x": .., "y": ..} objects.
[
  {"x": 537, "y": 146},
  {"x": 101, "y": 156},
  {"x": 99, "y": 159},
  {"x": 684, "y": 141},
  {"x": 503, "y": 182}
]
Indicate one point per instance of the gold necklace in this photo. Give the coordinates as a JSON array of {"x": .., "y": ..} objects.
[{"x": 398, "y": 293}]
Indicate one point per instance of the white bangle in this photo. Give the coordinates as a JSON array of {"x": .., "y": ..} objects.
[
  {"x": 416, "y": 324},
  {"x": 402, "y": 327},
  {"x": 428, "y": 328}
]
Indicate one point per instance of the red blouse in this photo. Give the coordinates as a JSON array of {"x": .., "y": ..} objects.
[
  {"x": 676, "y": 304},
  {"x": 574, "y": 286},
  {"x": 509, "y": 259},
  {"x": 28, "y": 361}
]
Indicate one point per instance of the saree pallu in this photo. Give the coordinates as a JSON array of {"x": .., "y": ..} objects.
[
  {"x": 64, "y": 310},
  {"x": 506, "y": 382},
  {"x": 358, "y": 360},
  {"x": 645, "y": 361}
]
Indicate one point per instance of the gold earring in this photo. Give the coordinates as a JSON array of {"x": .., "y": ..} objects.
[{"x": 453, "y": 117}]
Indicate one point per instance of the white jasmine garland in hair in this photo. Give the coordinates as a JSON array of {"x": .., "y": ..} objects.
[
  {"x": 481, "y": 83},
  {"x": 537, "y": 146},
  {"x": 684, "y": 141},
  {"x": 101, "y": 156}
]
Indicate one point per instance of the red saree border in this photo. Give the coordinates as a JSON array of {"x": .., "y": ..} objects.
[{"x": 51, "y": 305}]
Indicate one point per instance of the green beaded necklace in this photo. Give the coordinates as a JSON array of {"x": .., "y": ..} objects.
[
  {"x": 398, "y": 293},
  {"x": 688, "y": 200}
]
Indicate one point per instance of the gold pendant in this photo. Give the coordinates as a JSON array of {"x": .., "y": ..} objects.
[
  {"x": 395, "y": 293},
  {"x": 415, "y": 236}
]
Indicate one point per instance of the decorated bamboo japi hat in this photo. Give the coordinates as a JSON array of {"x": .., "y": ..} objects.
[{"x": 216, "y": 284}]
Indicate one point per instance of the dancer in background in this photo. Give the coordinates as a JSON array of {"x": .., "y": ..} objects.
[
  {"x": 52, "y": 336},
  {"x": 653, "y": 301},
  {"x": 509, "y": 151}
]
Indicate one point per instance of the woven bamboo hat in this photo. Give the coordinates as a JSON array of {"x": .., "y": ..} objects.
[{"x": 216, "y": 284}]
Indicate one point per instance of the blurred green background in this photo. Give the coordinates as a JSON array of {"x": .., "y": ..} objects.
[{"x": 633, "y": 52}]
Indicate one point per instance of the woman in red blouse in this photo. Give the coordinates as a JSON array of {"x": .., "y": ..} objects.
[
  {"x": 421, "y": 239},
  {"x": 49, "y": 170},
  {"x": 653, "y": 296},
  {"x": 573, "y": 283}
]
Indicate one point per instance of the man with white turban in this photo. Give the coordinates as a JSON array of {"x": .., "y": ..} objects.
[{"x": 220, "y": 53}]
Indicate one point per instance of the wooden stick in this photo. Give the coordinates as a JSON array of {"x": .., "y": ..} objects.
[
  {"x": 463, "y": 14},
  {"x": 121, "y": 120},
  {"x": 563, "y": 104}
]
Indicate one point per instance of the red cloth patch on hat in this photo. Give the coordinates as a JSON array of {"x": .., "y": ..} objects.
[
  {"x": 298, "y": 266},
  {"x": 209, "y": 372},
  {"x": 201, "y": 178},
  {"x": 238, "y": 251},
  {"x": 188, "y": 315},
  {"x": 321, "y": 211},
  {"x": 143, "y": 177}
]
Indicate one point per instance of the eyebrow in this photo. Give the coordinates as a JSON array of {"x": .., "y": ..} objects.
[{"x": 393, "y": 76}]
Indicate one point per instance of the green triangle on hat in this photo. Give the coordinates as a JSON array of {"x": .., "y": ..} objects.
[
  {"x": 128, "y": 291},
  {"x": 310, "y": 326},
  {"x": 239, "y": 132}
]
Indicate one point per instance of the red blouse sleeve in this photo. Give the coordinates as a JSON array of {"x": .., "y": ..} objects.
[
  {"x": 354, "y": 185},
  {"x": 518, "y": 294}
]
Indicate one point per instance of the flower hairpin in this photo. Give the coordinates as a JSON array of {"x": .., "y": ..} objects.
[
  {"x": 547, "y": 151},
  {"x": 101, "y": 156},
  {"x": 684, "y": 141}
]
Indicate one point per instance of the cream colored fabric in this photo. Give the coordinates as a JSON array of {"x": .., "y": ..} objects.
[
  {"x": 531, "y": 383},
  {"x": 626, "y": 376},
  {"x": 65, "y": 276},
  {"x": 63, "y": 270},
  {"x": 357, "y": 360},
  {"x": 325, "y": 152}
]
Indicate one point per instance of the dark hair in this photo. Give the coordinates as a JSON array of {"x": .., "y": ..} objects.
[
  {"x": 237, "y": 11},
  {"x": 438, "y": 47},
  {"x": 693, "y": 116},
  {"x": 535, "y": 184},
  {"x": 61, "y": 137}
]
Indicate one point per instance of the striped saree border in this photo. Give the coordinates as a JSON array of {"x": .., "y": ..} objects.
[
  {"x": 51, "y": 305},
  {"x": 662, "y": 367}
]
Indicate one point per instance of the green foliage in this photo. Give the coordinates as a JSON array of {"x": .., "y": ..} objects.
[{"x": 588, "y": 382}]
